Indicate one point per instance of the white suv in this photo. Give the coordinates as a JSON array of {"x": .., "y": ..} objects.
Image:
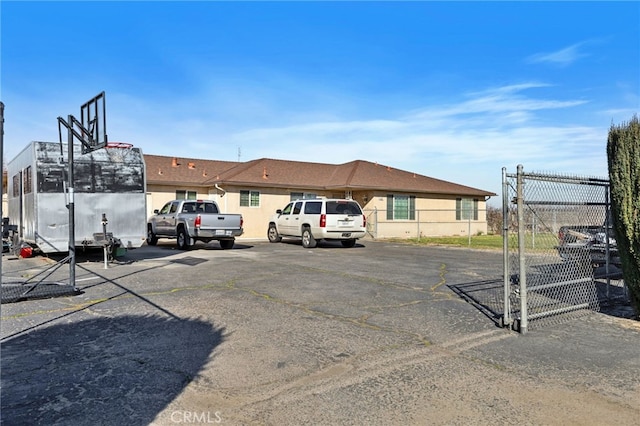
[{"x": 319, "y": 219}]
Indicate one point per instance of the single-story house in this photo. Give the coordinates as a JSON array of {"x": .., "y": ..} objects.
[{"x": 397, "y": 203}]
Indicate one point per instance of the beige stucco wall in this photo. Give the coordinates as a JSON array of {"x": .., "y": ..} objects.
[{"x": 435, "y": 216}]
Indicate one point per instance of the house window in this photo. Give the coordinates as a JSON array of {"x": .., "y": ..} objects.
[
  {"x": 249, "y": 198},
  {"x": 466, "y": 209},
  {"x": 401, "y": 207},
  {"x": 302, "y": 195},
  {"x": 186, "y": 195}
]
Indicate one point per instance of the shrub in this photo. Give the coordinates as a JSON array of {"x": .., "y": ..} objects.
[{"x": 623, "y": 156}]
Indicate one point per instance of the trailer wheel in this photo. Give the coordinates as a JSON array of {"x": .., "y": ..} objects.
[
  {"x": 152, "y": 238},
  {"x": 183, "y": 239}
]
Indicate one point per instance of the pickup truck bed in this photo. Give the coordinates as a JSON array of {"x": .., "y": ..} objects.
[{"x": 578, "y": 242}]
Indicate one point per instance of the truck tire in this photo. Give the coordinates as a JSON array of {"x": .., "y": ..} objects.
[
  {"x": 307, "y": 238},
  {"x": 183, "y": 239},
  {"x": 152, "y": 238},
  {"x": 226, "y": 244},
  {"x": 348, "y": 243},
  {"x": 272, "y": 234}
]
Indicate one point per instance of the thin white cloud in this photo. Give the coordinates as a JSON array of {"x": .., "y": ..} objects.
[
  {"x": 562, "y": 57},
  {"x": 496, "y": 126}
]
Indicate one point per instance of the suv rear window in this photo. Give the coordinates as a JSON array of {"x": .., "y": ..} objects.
[{"x": 343, "y": 207}]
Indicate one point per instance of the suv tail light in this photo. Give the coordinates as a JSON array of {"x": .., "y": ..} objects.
[
  {"x": 323, "y": 221},
  {"x": 198, "y": 221},
  {"x": 364, "y": 221}
]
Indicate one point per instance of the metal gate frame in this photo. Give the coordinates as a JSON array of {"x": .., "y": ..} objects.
[{"x": 559, "y": 286}]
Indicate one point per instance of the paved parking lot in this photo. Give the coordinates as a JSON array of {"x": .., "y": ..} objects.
[{"x": 274, "y": 334}]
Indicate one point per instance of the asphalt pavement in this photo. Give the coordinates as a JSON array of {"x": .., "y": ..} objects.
[{"x": 275, "y": 334}]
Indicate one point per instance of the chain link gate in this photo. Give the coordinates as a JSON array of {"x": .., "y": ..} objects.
[{"x": 552, "y": 244}]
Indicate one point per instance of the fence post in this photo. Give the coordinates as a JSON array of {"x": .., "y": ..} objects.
[
  {"x": 506, "y": 317},
  {"x": 521, "y": 252}
]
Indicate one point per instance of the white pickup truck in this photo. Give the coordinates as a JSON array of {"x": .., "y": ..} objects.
[{"x": 189, "y": 221}]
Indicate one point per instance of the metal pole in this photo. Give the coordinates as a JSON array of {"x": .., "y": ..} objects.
[
  {"x": 72, "y": 219},
  {"x": 506, "y": 318},
  {"x": 104, "y": 238},
  {"x": 521, "y": 252},
  {"x": 2, "y": 181},
  {"x": 608, "y": 222}
]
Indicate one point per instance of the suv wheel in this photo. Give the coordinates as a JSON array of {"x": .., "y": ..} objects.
[
  {"x": 348, "y": 243},
  {"x": 273, "y": 235},
  {"x": 307, "y": 239}
]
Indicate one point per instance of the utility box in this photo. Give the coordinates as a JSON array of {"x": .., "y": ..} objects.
[{"x": 108, "y": 182}]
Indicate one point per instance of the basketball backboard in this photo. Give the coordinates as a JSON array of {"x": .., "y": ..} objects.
[{"x": 93, "y": 117}]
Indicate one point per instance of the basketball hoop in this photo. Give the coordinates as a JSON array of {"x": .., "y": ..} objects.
[
  {"x": 119, "y": 145},
  {"x": 117, "y": 151}
]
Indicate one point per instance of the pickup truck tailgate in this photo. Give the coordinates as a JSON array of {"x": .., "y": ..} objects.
[{"x": 220, "y": 225}]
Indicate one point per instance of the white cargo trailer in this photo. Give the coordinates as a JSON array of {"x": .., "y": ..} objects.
[{"x": 109, "y": 183}]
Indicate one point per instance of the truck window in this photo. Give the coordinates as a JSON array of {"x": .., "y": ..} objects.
[
  {"x": 174, "y": 207},
  {"x": 206, "y": 208},
  {"x": 165, "y": 209},
  {"x": 188, "y": 208}
]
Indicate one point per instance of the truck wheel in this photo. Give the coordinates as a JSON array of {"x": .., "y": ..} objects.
[
  {"x": 152, "y": 238},
  {"x": 226, "y": 244},
  {"x": 183, "y": 239},
  {"x": 348, "y": 243},
  {"x": 273, "y": 235},
  {"x": 307, "y": 239}
]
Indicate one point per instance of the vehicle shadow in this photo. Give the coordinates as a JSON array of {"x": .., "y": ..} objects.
[
  {"x": 322, "y": 244},
  {"x": 162, "y": 250},
  {"x": 115, "y": 370}
]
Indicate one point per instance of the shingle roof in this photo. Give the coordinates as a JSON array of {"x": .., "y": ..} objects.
[
  {"x": 266, "y": 172},
  {"x": 162, "y": 170}
]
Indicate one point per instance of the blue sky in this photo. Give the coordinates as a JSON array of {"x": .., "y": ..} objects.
[{"x": 451, "y": 90}]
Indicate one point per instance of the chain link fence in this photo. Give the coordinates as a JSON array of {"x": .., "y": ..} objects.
[
  {"x": 427, "y": 223},
  {"x": 560, "y": 256}
]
